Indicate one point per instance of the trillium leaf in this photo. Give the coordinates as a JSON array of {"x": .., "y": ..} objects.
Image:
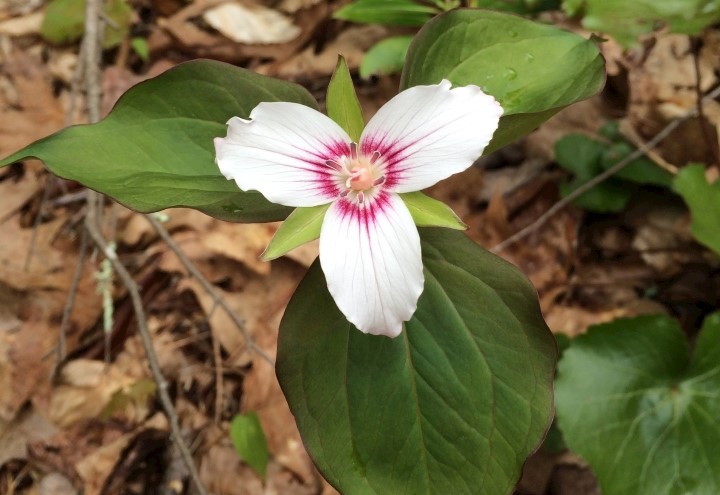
[
  {"x": 155, "y": 149},
  {"x": 301, "y": 226},
  {"x": 703, "y": 199},
  {"x": 453, "y": 405},
  {"x": 532, "y": 69},
  {"x": 640, "y": 410},
  {"x": 429, "y": 212},
  {"x": 342, "y": 102},
  {"x": 248, "y": 438}
]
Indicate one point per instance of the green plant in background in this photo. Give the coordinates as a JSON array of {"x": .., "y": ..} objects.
[
  {"x": 248, "y": 438},
  {"x": 626, "y": 20},
  {"x": 64, "y": 21},
  {"x": 703, "y": 199},
  {"x": 642, "y": 409},
  {"x": 388, "y": 56},
  {"x": 587, "y": 158}
]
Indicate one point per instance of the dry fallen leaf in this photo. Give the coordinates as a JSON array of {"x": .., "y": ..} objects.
[
  {"x": 95, "y": 468},
  {"x": 22, "y": 26},
  {"x": 33, "y": 111},
  {"x": 256, "y": 25}
]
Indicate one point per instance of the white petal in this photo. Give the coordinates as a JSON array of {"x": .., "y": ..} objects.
[
  {"x": 370, "y": 254},
  {"x": 428, "y": 133},
  {"x": 281, "y": 152}
]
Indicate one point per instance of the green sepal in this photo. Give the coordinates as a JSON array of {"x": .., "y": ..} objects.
[
  {"x": 429, "y": 212},
  {"x": 342, "y": 102},
  {"x": 301, "y": 226}
]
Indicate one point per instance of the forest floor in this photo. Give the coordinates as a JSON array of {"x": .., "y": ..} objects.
[{"x": 77, "y": 404}]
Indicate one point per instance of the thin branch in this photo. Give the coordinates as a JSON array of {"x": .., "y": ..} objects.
[
  {"x": 152, "y": 358},
  {"x": 92, "y": 49},
  {"x": 70, "y": 302},
  {"x": 192, "y": 269},
  {"x": 659, "y": 137}
]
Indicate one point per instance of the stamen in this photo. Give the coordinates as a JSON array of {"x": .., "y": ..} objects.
[
  {"x": 380, "y": 180},
  {"x": 374, "y": 157},
  {"x": 344, "y": 193},
  {"x": 353, "y": 151},
  {"x": 334, "y": 165},
  {"x": 361, "y": 197}
]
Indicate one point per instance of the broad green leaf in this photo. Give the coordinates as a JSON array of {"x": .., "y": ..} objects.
[
  {"x": 586, "y": 158},
  {"x": 641, "y": 411},
  {"x": 342, "y": 102},
  {"x": 392, "y": 12},
  {"x": 703, "y": 199},
  {"x": 626, "y": 20},
  {"x": 385, "y": 57},
  {"x": 301, "y": 226},
  {"x": 429, "y": 212},
  {"x": 532, "y": 69},
  {"x": 248, "y": 438},
  {"x": 155, "y": 149},
  {"x": 454, "y": 405},
  {"x": 64, "y": 21}
]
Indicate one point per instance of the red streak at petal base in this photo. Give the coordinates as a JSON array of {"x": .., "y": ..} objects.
[{"x": 365, "y": 213}]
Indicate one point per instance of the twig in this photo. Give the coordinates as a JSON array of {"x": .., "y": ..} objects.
[
  {"x": 70, "y": 302},
  {"x": 192, "y": 269},
  {"x": 152, "y": 358},
  {"x": 219, "y": 385},
  {"x": 92, "y": 42},
  {"x": 542, "y": 219}
]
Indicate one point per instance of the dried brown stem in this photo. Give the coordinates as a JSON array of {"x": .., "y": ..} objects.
[
  {"x": 70, "y": 302},
  {"x": 92, "y": 50},
  {"x": 554, "y": 209},
  {"x": 152, "y": 358}
]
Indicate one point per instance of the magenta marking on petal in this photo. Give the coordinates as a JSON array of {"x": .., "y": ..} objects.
[{"x": 364, "y": 214}]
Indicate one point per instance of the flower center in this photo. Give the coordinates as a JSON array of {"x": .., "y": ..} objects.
[{"x": 359, "y": 176}]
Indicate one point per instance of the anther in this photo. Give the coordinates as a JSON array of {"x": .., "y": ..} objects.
[
  {"x": 361, "y": 197},
  {"x": 380, "y": 180},
  {"x": 374, "y": 157},
  {"x": 353, "y": 151},
  {"x": 334, "y": 165}
]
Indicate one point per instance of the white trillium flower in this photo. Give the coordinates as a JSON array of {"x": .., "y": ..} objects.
[{"x": 369, "y": 244}]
